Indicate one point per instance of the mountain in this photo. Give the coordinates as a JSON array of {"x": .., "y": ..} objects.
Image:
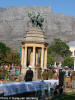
[{"x": 14, "y": 24}]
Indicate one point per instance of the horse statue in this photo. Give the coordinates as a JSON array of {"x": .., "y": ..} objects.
[{"x": 36, "y": 19}]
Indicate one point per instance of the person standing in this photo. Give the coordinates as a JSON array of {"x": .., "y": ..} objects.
[
  {"x": 61, "y": 77},
  {"x": 29, "y": 74},
  {"x": 45, "y": 74},
  {"x": 61, "y": 81}
]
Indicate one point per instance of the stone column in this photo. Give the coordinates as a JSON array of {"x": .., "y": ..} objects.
[
  {"x": 33, "y": 57},
  {"x": 45, "y": 59},
  {"x": 22, "y": 57},
  {"x": 34, "y": 78},
  {"x": 42, "y": 57},
  {"x": 25, "y": 57}
]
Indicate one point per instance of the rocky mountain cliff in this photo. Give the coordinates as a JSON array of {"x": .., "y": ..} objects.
[{"x": 14, "y": 24}]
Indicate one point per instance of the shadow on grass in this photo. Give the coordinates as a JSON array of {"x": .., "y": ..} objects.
[{"x": 69, "y": 96}]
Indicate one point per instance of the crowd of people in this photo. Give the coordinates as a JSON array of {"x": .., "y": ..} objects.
[
  {"x": 42, "y": 74},
  {"x": 10, "y": 71},
  {"x": 45, "y": 74}
]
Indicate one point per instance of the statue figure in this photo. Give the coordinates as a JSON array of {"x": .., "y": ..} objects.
[{"x": 36, "y": 19}]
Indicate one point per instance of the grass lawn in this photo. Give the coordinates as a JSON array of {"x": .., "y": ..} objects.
[{"x": 68, "y": 96}]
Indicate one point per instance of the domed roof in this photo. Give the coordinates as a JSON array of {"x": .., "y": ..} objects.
[{"x": 35, "y": 35}]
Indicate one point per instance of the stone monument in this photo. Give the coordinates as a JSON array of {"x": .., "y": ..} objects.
[{"x": 34, "y": 46}]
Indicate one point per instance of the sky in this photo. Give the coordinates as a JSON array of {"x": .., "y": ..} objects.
[{"x": 58, "y": 6}]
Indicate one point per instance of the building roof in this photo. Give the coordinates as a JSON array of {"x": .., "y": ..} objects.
[{"x": 35, "y": 35}]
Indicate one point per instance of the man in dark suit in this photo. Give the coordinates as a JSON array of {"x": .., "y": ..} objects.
[{"x": 29, "y": 74}]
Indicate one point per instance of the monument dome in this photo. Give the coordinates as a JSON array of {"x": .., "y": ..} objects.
[{"x": 35, "y": 35}]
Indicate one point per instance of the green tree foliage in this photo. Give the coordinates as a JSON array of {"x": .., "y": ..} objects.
[
  {"x": 68, "y": 61},
  {"x": 59, "y": 50},
  {"x": 12, "y": 57},
  {"x": 59, "y": 47},
  {"x": 3, "y": 50},
  {"x": 7, "y": 56},
  {"x": 50, "y": 60}
]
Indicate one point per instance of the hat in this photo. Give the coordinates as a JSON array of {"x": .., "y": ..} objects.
[{"x": 30, "y": 66}]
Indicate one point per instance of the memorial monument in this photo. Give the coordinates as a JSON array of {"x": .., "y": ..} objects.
[{"x": 34, "y": 46}]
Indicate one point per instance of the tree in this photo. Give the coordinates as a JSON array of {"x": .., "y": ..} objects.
[
  {"x": 50, "y": 60},
  {"x": 12, "y": 57},
  {"x": 3, "y": 50},
  {"x": 8, "y": 56},
  {"x": 16, "y": 58},
  {"x": 68, "y": 61},
  {"x": 59, "y": 49}
]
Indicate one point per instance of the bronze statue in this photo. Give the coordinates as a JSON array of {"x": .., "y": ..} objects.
[{"x": 36, "y": 19}]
